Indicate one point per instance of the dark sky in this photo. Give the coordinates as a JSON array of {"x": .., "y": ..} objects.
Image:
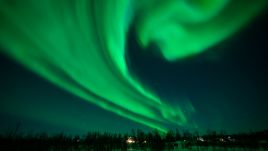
[{"x": 227, "y": 85}]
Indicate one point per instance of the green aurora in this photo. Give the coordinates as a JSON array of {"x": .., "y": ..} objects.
[{"x": 80, "y": 45}]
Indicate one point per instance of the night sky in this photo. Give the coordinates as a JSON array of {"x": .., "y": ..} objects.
[{"x": 226, "y": 84}]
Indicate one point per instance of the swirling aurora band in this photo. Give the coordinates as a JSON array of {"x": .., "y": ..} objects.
[{"x": 80, "y": 45}]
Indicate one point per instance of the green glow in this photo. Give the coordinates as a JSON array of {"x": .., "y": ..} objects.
[
  {"x": 192, "y": 26},
  {"x": 80, "y": 45}
]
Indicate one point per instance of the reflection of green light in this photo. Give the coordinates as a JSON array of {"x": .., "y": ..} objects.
[{"x": 79, "y": 45}]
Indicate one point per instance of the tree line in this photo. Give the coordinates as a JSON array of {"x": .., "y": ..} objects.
[{"x": 134, "y": 139}]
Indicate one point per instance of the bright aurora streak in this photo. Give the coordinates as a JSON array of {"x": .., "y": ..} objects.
[{"x": 81, "y": 45}]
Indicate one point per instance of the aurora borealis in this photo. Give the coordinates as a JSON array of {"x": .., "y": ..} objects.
[{"x": 82, "y": 46}]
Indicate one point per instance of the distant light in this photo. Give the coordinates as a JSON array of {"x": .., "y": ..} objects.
[
  {"x": 130, "y": 140},
  {"x": 200, "y": 139}
]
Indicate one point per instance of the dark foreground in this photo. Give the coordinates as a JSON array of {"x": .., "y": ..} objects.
[{"x": 137, "y": 140}]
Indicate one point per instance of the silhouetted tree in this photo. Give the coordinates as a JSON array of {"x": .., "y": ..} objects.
[
  {"x": 170, "y": 136},
  {"x": 177, "y": 135}
]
